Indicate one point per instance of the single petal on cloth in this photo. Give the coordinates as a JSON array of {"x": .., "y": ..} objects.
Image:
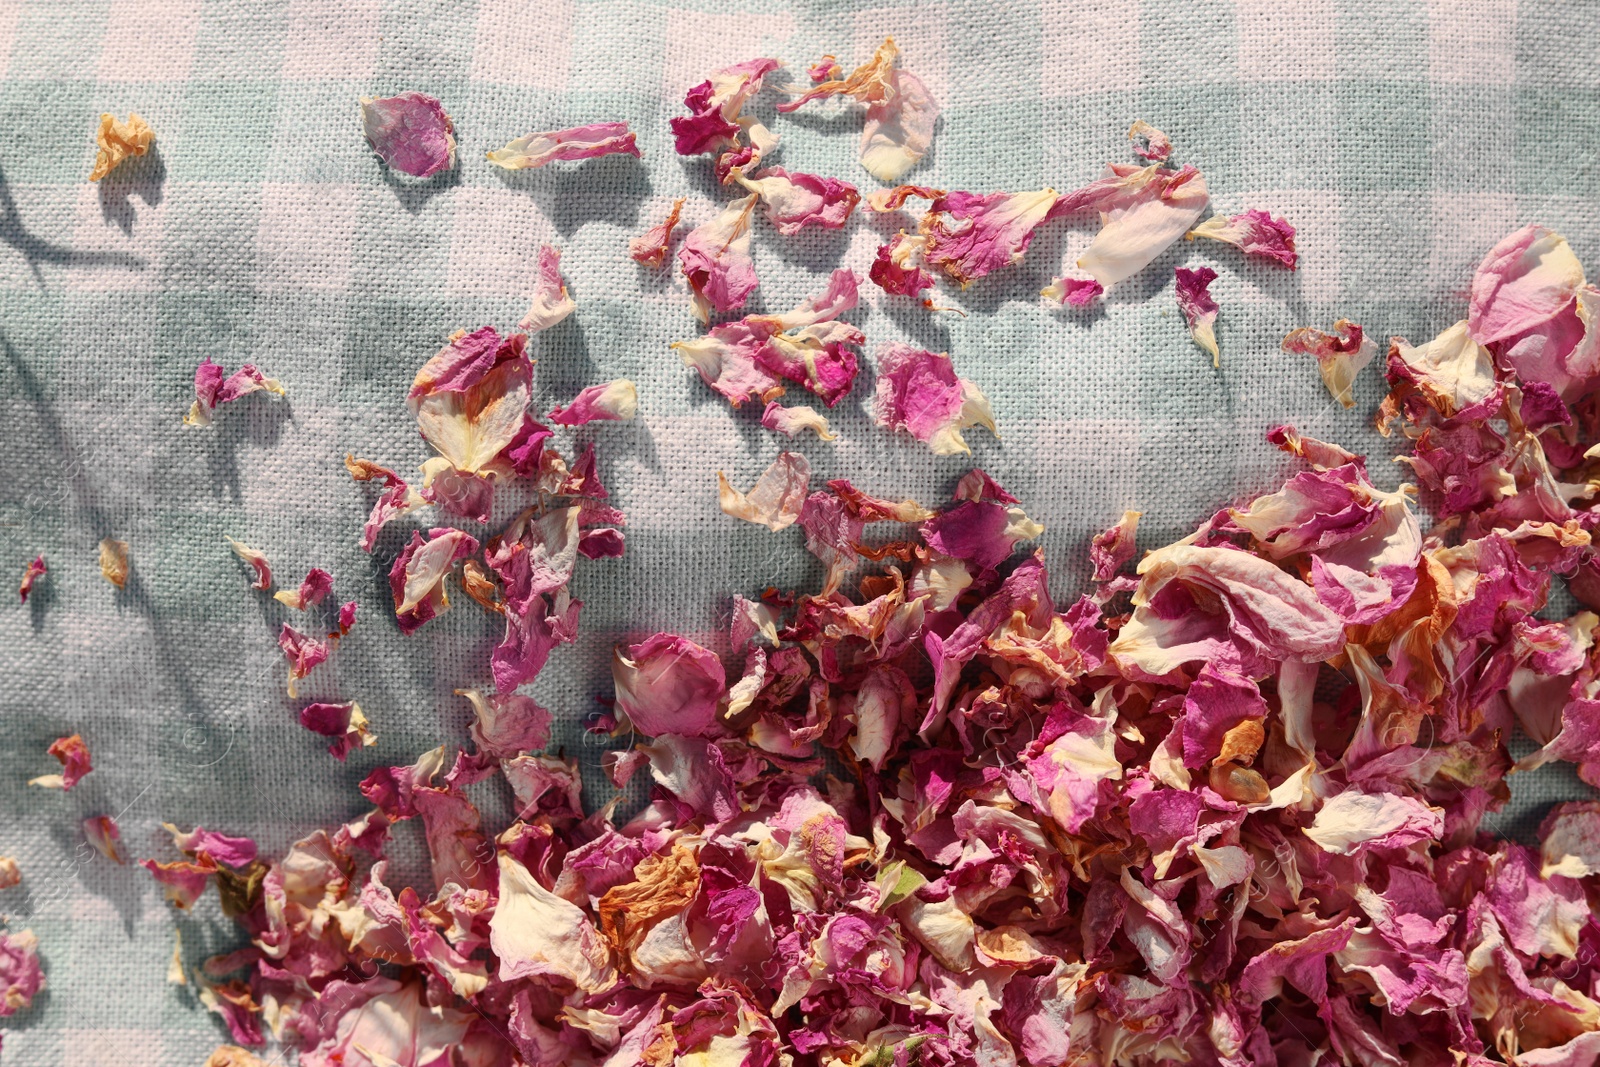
[
  {"x": 302, "y": 651},
  {"x": 471, "y": 427},
  {"x": 114, "y": 561},
  {"x": 257, "y": 560},
  {"x": 791, "y": 421},
  {"x": 1193, "y": 290},
  {"x": 667, "y": 684},
  {"x": 103, "y": 834},
  {"x": 1143, "y": 210},
  {"x": 116, "y": 141},
  {"x": 918, "y": 392},
  {"x": 613, "y": 401},
  {"x": 1255, "y": 232},
  {"x": 1340, "y": 355},
  {"x": 410, "y": 132},
  {"x": 1149, "y": 143},
  {"x": 775, "y": 500},
  {"x": 899, "y": 130},
  {"x": 551, "y": 303},
  {"x": 37, "y": 569},
  {"x": 651, "y": 247},
  {"x": 715, "y": 259},
  {"x": 894, "y": 271},
  {"x": 417, "y": 577},
  {"x": 313, "y": 590},
  {"x": 396, "y": 499},
  {"x": 344, "y": 722},
  {"x": 73, "y": 756},
  {"x": 795, "y": 201},
  {"x": 578, "y": 142},
  {"x": 1079, "y": 292}
]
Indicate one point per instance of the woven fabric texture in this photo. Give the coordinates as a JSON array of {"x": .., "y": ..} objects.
[{"x": 1401, "y": 139}]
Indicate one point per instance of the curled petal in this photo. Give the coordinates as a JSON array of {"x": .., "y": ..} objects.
[
  {"x": 550, "y": 303},
  {"x": 417, "y": 577},
  {"x": 650, "y": 248},
  {"x": 1340, "y": 355},
  {"x": 1199, "y": 309},
  {"x": 103, "y": 834},
  {"x": 257, "y": 561},
  {"x": 795, "y": 201},
  {"x": 1149, "y": 143},
  {"x": 791, "y": 421},
  {"x": 114, "y": 562},
  {"x": 36, "y": 570},
  {"x": 396, "y": 499},
  {"x": 578, "y": 142},
  {"x": 1142, "y": 210},
  {"x": 343, "y": 722},
  {"x": 614, "y": 401},
  {"x": 313, "y": 590}
]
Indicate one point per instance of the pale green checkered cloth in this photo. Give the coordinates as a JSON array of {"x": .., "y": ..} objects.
[{"x": 1402, "y": 139}]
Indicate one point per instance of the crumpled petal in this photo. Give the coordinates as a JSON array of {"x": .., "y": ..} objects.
[
  {"x": 775, "y": 500},
  {"x": 257, "y": 560},
  {"x": 1079, "y": 292},
  {"x": 417, "y": 577},
  {"x": 212, "y": 387},
  {"x": 345, "y": 723},
  {"x": 103, "y": 834},
  {"x": 808, "y": 345},
  {"x": 114, "y": 561},
  {"x": 918, "y": 392},
  {"x": 1255, "y": 232},
  {"x": 715, "y": 121},
  {"x": 410, "y": 132},
  {"x": 507, "y": 724},
  {"x": 396, "y": 499},
  {"x": 901, "y": 113},
  {"x": 37, "y": 569},
  {"x": 795, "y": 201},
  {"x": 715, "y": 258},
  {"x": 1340, "y": 355},
  {"x": 117, "y": 141},
  {"x": 73, "y": 755},
  {"x": 313, "y": 590},
  {"x": 615, "y": 401},
  {"x": 578, "y": 142},
  {"x": 968, "y": 235},
  {"x": 1149, "y": 143},
  {"x": 1199, "y": 309},
  {"x": 550, "y": 303},
  {"x": 21, "y": 977},
  {"x": 302, "y": 651},
  {"x": 650, "y": 248}
]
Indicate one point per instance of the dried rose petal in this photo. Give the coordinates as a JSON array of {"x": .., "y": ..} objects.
[
  {"x": 73, "y": 755},
  {"x": 343, "y": 722},
  {"x": 918, "y": 392},
  {"x": 579, "y": 142},
  {"x": 258, "y": 563},
  {"x": 551, "y": 304},
  {"x": 102, "y": 832},
  {"x": 302, "y": 652},
  {"x": 21, "y": 978},
  {"x": 618, "y": 400},
  {"x": 396, "y": 499},
  {"x": 901, "y": 113},
  {"x": 1079, "y": 292},
  {"x": 1143, "y": 210},
  {"x": 213, "y": 387},
  {"x": 1149, "y": 143},
  {"x": 36, "y": 570},
  {"x": 774, "y": 501},
  {"x": 417, "y": 577},
  {"x": 1193, "y": 290},
  {"x": 1255, "y": 232},
  {"x": 316, "y": 586},
  {"x": 114, "y": 561},
  {"x": 650, "y": 248},
  {"x": 117, "y": 141},
  {"x": 715, "y": 258},
  {"x": 410, "y": 132},
  {"x": 668, "y": 685},
  {"x": 794, "y": 420},
  {"x": 1340, "y": 355},
  {"x": 795, "y": 201}
]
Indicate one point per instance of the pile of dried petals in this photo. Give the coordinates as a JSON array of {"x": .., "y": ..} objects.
[{"x": 1225, "y": 810}]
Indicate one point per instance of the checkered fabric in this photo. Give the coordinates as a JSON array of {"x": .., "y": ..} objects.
[{"x": 1400, "y": 138}]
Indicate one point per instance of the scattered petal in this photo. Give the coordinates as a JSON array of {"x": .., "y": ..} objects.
[
  {"x": 1199, "y": 309},
  {"x": 775, "y": 500},
  {"x": 35, "y": 571},
  {"x": 118, "y": 141},
  {"x": 791, "y": 421},
  {"x": 550, "y": 303},
  {"x": 615, "y": 401},
  {"x": 651, "y": 247},
  {"x": 410, "y": 132},
  {"x": 102, "y": 832},
  {"x": 578, "y": 142},
  {"x": 918, "y": 392},
  {"x": 1255, "y": 232},
  {"x": 114, "y": 562},
  {"x": 1340, "y": 355}
]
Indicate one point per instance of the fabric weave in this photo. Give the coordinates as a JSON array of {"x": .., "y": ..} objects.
[{"x": 1401, "y": 139}]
